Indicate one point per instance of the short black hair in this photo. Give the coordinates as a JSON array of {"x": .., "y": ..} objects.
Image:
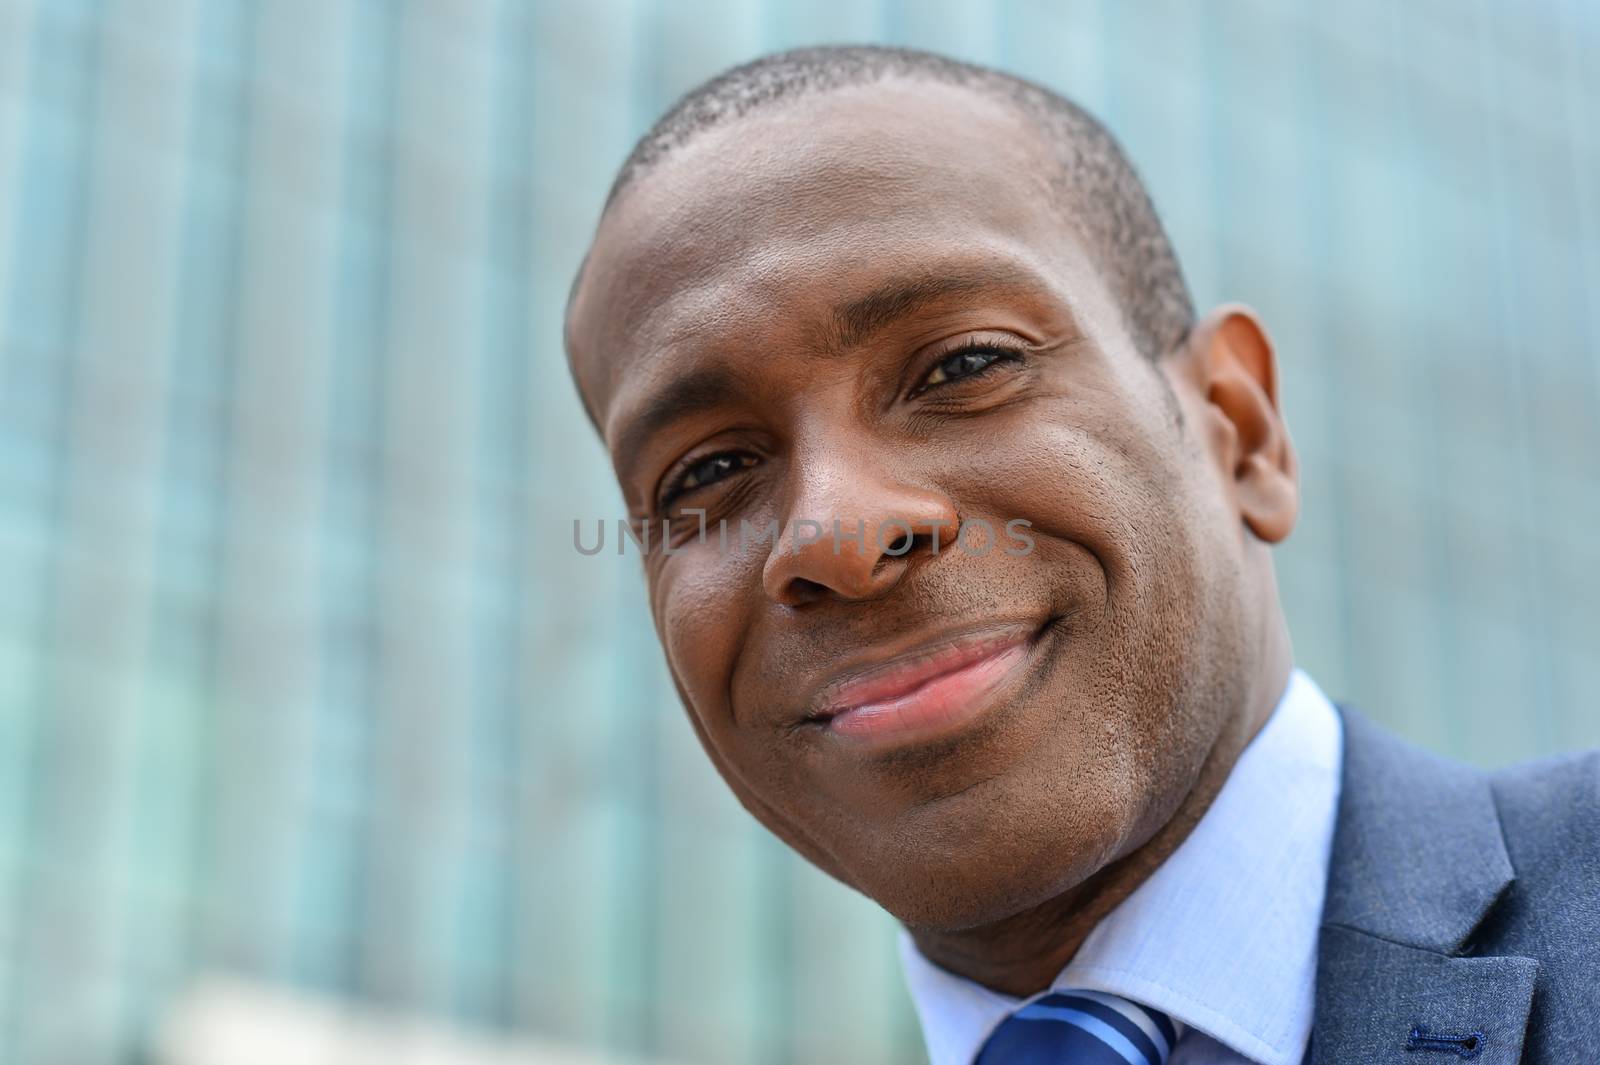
[{"x": 1099, "y": 186}]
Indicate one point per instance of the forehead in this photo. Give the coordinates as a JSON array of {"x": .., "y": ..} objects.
[{"x": 762, "y": 224}]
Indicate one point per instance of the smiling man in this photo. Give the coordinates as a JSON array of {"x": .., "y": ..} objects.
[{"x": 859, "y": 298}]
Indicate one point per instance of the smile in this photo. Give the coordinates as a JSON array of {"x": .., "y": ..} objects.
[{"x": 928, "y": 693}]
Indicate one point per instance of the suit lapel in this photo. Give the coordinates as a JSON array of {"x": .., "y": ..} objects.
[
  {"x": 1418, "y": 865},
  {"x": 1376, "y": 1000}
]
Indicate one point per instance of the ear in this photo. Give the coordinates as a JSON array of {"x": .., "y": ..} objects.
[{"x": 1229, "y": 362}]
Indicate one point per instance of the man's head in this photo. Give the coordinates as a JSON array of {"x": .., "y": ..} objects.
[{"x": 889, "y": 291}]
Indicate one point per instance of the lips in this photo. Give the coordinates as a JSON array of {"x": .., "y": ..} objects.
[{"x": 930, "y": 690}]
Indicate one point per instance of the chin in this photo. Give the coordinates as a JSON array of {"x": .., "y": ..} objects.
[{"x": 962, "y": 872}]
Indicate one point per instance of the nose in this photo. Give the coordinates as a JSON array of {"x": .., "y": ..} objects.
[{"x": 850, "y": 535}]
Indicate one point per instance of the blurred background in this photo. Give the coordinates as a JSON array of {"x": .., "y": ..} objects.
[{"x": 319, "y": 742}]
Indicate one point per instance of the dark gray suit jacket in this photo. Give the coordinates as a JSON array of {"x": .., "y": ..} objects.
[{"x": 1462, "y": 919}]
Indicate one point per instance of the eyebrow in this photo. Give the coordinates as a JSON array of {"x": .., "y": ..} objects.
[{"x": 859, "y": 318}]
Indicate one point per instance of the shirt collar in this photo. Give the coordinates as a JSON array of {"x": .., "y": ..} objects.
[{"x": 1223, "y": 935}]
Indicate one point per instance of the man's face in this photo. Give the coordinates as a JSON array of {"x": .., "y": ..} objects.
[{"x": 871, "y": 306}]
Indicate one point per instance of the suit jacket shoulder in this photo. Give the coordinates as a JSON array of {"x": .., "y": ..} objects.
[{"x": 1461, "y": 909}]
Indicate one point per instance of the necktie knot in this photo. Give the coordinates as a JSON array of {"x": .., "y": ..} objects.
[{"x": 1080, "y": 1028}]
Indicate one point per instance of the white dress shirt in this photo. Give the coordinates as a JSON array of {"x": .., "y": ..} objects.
[{"x": 1222, "y": 937}]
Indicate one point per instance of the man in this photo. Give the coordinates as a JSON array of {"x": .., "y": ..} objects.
[{"x": 853, "y": 300}]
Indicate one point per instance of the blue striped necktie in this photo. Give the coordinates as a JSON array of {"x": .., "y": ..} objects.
[{"x": 1080, "y": 1028}]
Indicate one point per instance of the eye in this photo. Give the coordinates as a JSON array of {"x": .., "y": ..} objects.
[
  {"x": 705, "y": 471},
  {"x": 968, "y": 361}
]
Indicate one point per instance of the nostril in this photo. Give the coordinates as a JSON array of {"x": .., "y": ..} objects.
[{"x": 804, "y": 590}]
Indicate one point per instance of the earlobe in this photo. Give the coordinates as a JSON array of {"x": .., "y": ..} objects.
[{"x": 1231, "y": 351}]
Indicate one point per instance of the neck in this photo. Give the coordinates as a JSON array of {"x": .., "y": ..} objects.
[{"x": 1021, "y": 955}]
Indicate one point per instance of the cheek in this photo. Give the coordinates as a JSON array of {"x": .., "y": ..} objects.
[
  {"x": 1120, "y": 482},
  {"x": 699, "y": 607},
  {"x": 1077, "y": 486}
]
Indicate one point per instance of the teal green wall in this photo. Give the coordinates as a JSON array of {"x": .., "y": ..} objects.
[{"x": 299, "y": 674}]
